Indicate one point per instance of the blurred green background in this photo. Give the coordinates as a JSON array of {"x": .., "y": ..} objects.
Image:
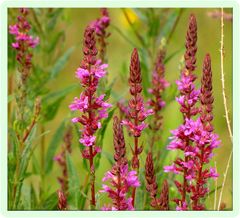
[{"x": 74, "y": 21}]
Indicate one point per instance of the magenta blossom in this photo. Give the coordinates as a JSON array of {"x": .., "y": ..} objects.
[
  {"x": 93, "y": 108},
  {"x": 23, "y": 43},
  {"x": 22, "y": 37},
  {"x": 121, "y": 180},
  {"x": 89, "y": 78},
  {"x": 101, "y": 23},
  {"x": 143, "y": 113}
]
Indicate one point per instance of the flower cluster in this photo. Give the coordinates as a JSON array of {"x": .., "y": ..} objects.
[
  {"x": 100, "y": 25},
  {"x": 123, "y": 109},
  {"x": 161, "y": 203},
  {"x": 61, "y": 159},
  {"x": 93, "y": 108},
  {"x": 159, "y": 84},
  {"x": 200, "y": 149},
  {"x": 136, "y": 111},
  {"x": 205, "y": 150},
  {"x": 62, "y": 200},
  {"x": 120, "y": 178},
  {"x": 23, "y": 42},
  {"x": 194, "y": 137},
  {"x": 187, "y": 100}
]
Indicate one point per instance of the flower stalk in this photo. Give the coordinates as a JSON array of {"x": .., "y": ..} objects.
[
  {"x": 159, "y": 84},
  {"x": 100, "y": 25},
  {"x": 187, "y": 100},
  {"x": 62, "y": 200},
  {"x": 93, "y": 108},
  {"x": 161, "y": 203},
  {"x": 195, "y": 138},
  {"x": 61, "y": 160},
  {"x": 136, "y": 110},
  {"x": 120, "y": 178},
  {"x": 23, "y": 45}
]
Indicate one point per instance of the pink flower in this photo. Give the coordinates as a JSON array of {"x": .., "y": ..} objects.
[
  {"x": 102, "y": 23},
  {"x": 100, "y": 69},
  {"x": 24, "y": 42},
  {"x": 15, "y": 45},
  {"x": 171, "y": 168},
  {"x": 33, "y": 42},
  {"x": 13, "y": 29},
  {"x": 75, "y": 119},
  {"x": 82, "y": 73},
  {"x": 182, "y": 207},
  {"x": 120, "y": 180},
  {"x": 212, "y": 173},
  {"x": 87, "y": 140},
  {"x": 80, "y": 104},
  {"x": 135, "y": 130}
]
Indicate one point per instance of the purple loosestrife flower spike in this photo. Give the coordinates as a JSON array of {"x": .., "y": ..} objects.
[
  {"x": 207, "y": 140},
  {"x": 118, "y": 140},
  {"x": 62, "y": 200},
  {"x": 100, "y": 26},
  {"x": 159, "y": 84},
  {"x": 61, "y": 160},
  {"x": 123, "y": 109},
  {"x": 161, "y": 203},
  {"x": 23, "y": 44},
  {"x": 191, "y": 47},
  {"x": 184, "y": 135},
  {"x": 93, "y": 108},
  {"x": 137, "y": 111},
  {"x": 120, "y": 178}
]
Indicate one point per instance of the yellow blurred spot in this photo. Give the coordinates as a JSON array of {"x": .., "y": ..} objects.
[{"x": 132, "y": 16}]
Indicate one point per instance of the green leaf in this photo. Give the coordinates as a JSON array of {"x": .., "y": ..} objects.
[
  {"x": 139, "y": 199},
  {"x": 14, "y": 142},
  {"x": 169, "y": 25},
  {"x": 55, "y": 41},
  {"x": 109, "y": 89},
  {"x": 109, "y": 157},
  {"x": 53, "y": 17},
  {"x": 26, "y": 197},
  {"x": 50, "y": 110},
  {"x": 25, "y": 158},
  {"x": 124, "y": 36},
  {"x": 101, "y": 135},
  {"x": 213, "y": 191},
  {"x": 56, "y": 140},
  {"x": 73, "y": 183},
  {"x": 84, "y": 197},
  {"x": 51, "y": 202},
  {"x": 60, "y": 63},
  {"x": 168, "y": 58},
  {"x": 124, "y": 71},
  {"x": 27, "y": 153},
  {"x": 52, "y": 102},
  {"x": 35, "y": 165},
  {"x": 58, "y": 94},
  {"x": 33, "y": 197},
  {"x": 140, "y": 14},
  {"x": 170, "y": 93}
]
